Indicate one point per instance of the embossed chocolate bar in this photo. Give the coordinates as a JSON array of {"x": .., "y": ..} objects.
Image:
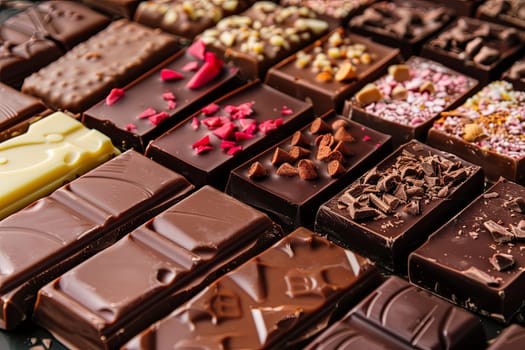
[
  {"x": 120, "y": 291},
  {"x": 276, "y": 300}
]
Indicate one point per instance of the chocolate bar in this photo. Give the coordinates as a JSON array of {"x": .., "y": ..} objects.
[
  {"x": 228, "y": 132},
  {"x": 409, "y": 99},
  {"x": 516, "y": 74},
  {"x": 133, "y": 121},
  {"x": 391, "y": 210},
  {"x": 187, "y": 18},
  {"x": 508, "y": 12},
  {"x": 118, "y": 8},
  {"x": 477, "y": 48},
  {"x": 331, "y": 69},
  {"x": 475, "y": 259},
  {"x": 511, "y": 338},
  {"x": 55, "y": 150},
  {"x": 338, "y": 11},
  {"x": 461, "y": 7},
  {"x": 291, "y": 180},
  {"x": 405, "y": 24},
  {"x": 112, "y": 58},
  {"x": 486, "y": 130},
  {"x": 400, "y": 316},
  {"x": 263, "y": 35},
  {"x": 272, "y": 301},
  {"x": 85, "y": 216},
  {"x": 120, "y": 291}
]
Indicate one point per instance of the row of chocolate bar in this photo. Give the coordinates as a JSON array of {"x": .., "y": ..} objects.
[{"x": 155, "y": 194}]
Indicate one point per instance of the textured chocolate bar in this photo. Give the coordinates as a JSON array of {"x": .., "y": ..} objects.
[
  {"x": 119, "y": 292},
  {"x": 57, "y": 232},
  {"x": 508, "y": 12},
  {"x": 400, "y": 316},
  {"x": 476, "y": 259},
  {"x": 276, "y": 300},
  {"x": 113, "y": 57}
]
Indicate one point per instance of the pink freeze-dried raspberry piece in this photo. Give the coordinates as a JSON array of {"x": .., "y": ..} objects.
[
  {"x": 197, "y": 49},
  {"x": 210, "y": 109},
  {"x": 225, "y": 131},
  {"x": 205, "y": 141},
  {"x": 270, "y": 125},
  {"x": 172, "y": 104},
  {"x": 202, "y": 149},
  {"x": 212, "y": 122},
  {"x": 225, "y": 144},
  {"x": 195, "y": 122},
  {"x": 130, "y": 127},
  {"x": 251, "y": 129},
  {"x": 170, "y": 74},
  {"x": 190, "y": 66},
  {"x": 114, "y": 95},
  {"x": 156, "y": 119},
  {"x": 285, "y": 110},
  {"x": 208, "y": 71},
  {"x": 232, "y": 151},
  {"x": 242, "y": 136},
  {"x": 148, "y": 112},
  {"x": 168, "y": 96},
  {"x": 245, "y": 123}
]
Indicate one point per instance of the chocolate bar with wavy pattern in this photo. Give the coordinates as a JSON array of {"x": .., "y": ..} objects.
[{"x": 57, "y": 232}]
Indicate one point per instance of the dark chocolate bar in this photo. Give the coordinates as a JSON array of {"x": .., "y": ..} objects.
[
  {"x": 279, "y": 181},
  {"x": 331, "y": 69},
  {"x": 461, "y": 7},
  {"x": 112, "y": 58},
  {"x": 57, "y": 232},
  {"x": 516, "y": 74},
  {"x": 508, "y": 12},
  {"x": 512, "y": 338},
  {"x": 400, "y": 316},
  {"x": 476, "y": 260},
  {"x": 225, "y": 134},
  {"x": 276, "y": 300},
  {"x": 391, "y": 210},
  {"x": 117, "y": 293}
]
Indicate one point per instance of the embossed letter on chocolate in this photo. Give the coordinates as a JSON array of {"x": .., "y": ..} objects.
[{"x": 275, "y": 300}]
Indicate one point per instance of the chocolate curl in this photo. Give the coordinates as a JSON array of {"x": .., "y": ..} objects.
[
  {"x": 298, "y": 139},
  {"x": 318, "y": 126},
  {"x": 343, "y": 147},
  {"x": 323, "y": 152},
  {"x": 281, "y": 156},
  {"x": 297, "y": 152},
  {"x": 324, "y": 140},
  {"x": 286, "y": 169},
  {"x": 257, "y": 171},
  {"x": 335, "y": 168},
  {"x": 342, "y": 135},
  {"x": 307, "y": 170}
]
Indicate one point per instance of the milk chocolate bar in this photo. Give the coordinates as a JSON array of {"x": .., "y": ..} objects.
[
  {"x": 285, "y": 187},
  {"x": 55, "y": 150},
  {"x": 338, "y": 11},
  {"x": 120, "y": 291},
  {"x": 276, "y": 300},
  {"x": 331, "y": 69},
  {"x": 400, "y": 316},
  {"x": 228, "y": 132},
  {"x": 112, "y": 58},
  {"x": 476, "y": 259},
  {"x": 118, "y": 8},
  {"x": 391, "y": 210}
]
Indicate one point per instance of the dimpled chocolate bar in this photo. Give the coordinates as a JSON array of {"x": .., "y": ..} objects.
[
  {"x": 57, "y": 232},
  {"x": 399, "y": 316},
  {"x": 119, "y": 292},
  {"x": 54, "y": 150},
  {"x": 87, "y": 73},
  {"x": 392, "y": 209},
  {"x": 275, "y": 300},
  {"x": 476, "y": 260}
]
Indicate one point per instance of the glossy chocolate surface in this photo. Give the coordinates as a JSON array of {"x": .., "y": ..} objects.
[
  {"x": 294, "y": 200},
  {"x": 476, "y": 260},
  {"x": 174, "y": 148},
  {"x": 511, "y": 338},
  {"x": 111, "y": 58},
  {"x": 394, "y": 207},
  {"x": 148, "y": 92},
  {"x": 328, "y": 90},
  {"x": 57, "y": 232},
  {"x": 509, "y": 12},
  {"x": 120, "y": 8},
  {"x": 117, "y": 293},
  {"x": 480, "y": 49},
  {"x": 16, "y": 107},
  {"x": 400, "y": 316},
  {"x": 270, "y": 301},
  {"x": 405, "y": 24}
]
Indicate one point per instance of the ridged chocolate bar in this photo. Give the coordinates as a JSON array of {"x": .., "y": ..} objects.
[{"x": 57, "y": 232}]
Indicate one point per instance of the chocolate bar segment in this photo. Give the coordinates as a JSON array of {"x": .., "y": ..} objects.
[
  {"x": 57, "y": 232},
  {"x": 511, "y": 338},
  {"x": 272, "y": 301},
  {"x": 120, "y": 8},
  {"x": 516, "y": 74},
  {"x": 400, "y": 316},
  {"x": 331, "y": 69},
  {"x": 461, "y": 7},
  {"x": 391, "y": 210},
  {"x": 292, "y": 198},
  {"x": 112, "y": 58},
  {"x": 228, "y": 132},
  {"x": 508, "y": 12},
  {"x": 120, "y": 291},
  {"x": 338, "y": 11},
  {"x": 476, "y": 259}
]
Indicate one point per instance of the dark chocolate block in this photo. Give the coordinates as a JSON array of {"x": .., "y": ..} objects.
[
  {"x": 476, "y": 260},
  {"x": 285, "y": 192},
  {"x": 263, "y": 35},
  {"x": 112, "y": 58},
  {"x": 486, "y": 130},
  {"x": 120, "y": 8},
  {"x": 512, "y": 338},
  {"x": 338, "y": 11},
  {"x": 275, "y": 300},
  {"x": 477, "y": 48},
  {"x": 516, "y": 74},
  {"x": 408, "y": 106},
  {"x": 57, "y": 232},
  {"x": 400, "y": 316},
  {"x": 121, "y": 120},
  {"x": 461, "y": 7},
  {"x": 392, "y": 209},
  {"x": 119, "y": 292},
  {"x": 187, "y": 18},
  {"x": 405, "y": 24},
  {"x": 225, "y": 134},
  {"x": 508, "y": 12},
  {"x": 331, "y": 69}
]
